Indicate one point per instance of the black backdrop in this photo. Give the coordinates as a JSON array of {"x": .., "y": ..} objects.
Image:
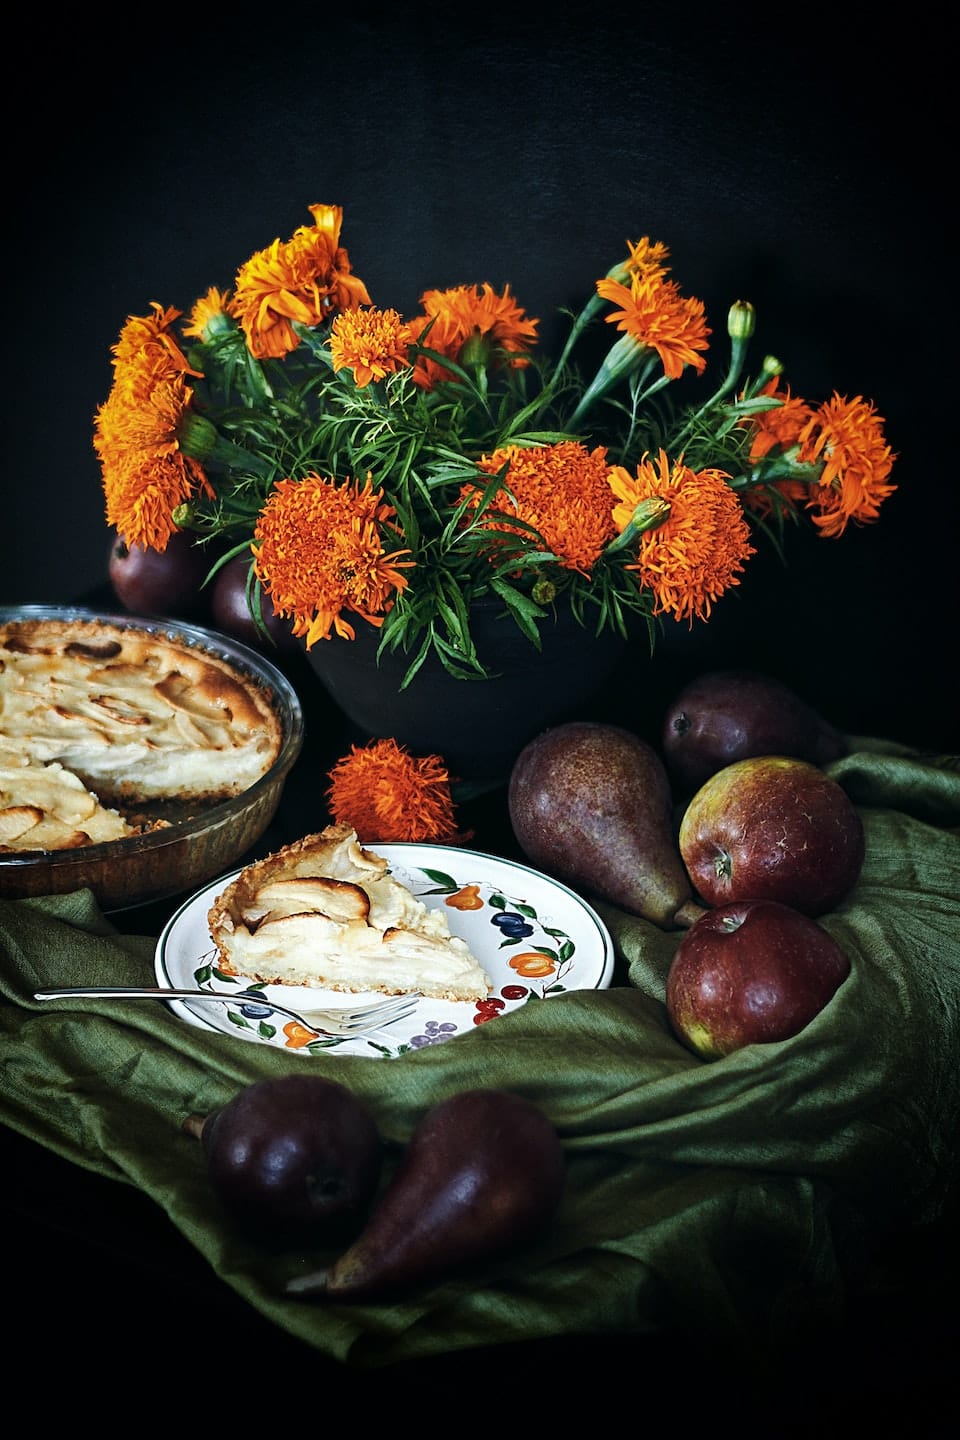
[{"x": 798, "y": 163}]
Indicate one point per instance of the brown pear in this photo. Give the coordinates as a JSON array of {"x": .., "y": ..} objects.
[
  {"x": 482, "y": 1175},
  {"x": 590, "y": 804}
]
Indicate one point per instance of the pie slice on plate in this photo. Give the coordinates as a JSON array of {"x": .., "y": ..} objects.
[{"x": 324, "y": 912}]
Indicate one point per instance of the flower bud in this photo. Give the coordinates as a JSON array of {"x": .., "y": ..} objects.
[
  {"x": 544, "y": 592},
  {"x": 741, "y": 320},
  {"x": 475, "y": 352},
  {"x": 650, "y": 513},
  {"x": 197, "y": 436},
  {"x": 218, "y": 323},
  {"x": 647, "y": 515}
]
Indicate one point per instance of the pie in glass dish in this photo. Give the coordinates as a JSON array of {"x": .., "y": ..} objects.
[{"x": 104, "y": 725}]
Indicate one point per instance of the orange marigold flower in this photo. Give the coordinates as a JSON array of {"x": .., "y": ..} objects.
[
  {"x": 647, "y": 257},
  {"x": 371, "y": 343},
  {"x": 761, "y": 499},
  {"x": 136, "y": 436},
  {"x": 470, "y": 313},
  {"x": 211, "y": 314},
  {"x": 779, "y": 427},
  {"x": 562, "y": 490},
  {"x": 318, "y": 553},
  {"x": 305, "y": 279},
  {"x": 698, "y": 552},
  {"x": 657, "y": 317},
  {"x": 847, "y": 437},
  {"x": 151, "y": 335},
  {"x": 387, "y": 794}
]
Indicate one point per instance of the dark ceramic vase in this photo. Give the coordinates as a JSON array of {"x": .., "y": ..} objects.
[{"x": 477, "y": 726}]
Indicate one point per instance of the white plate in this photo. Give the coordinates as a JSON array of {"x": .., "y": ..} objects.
[{"x": 533, "y": 936}]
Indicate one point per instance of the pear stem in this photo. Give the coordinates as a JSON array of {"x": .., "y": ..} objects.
[
  {"x": 688, "y": 914},
  {"x": 313, "y": 1284}
]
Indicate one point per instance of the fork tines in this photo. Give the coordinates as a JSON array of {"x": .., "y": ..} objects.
[
  {"x": 364, "y": 1013},
  {"x": 369, "y": 1016}
]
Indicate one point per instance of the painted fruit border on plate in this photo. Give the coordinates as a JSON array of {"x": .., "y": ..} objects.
[{"x": 535, "y": 938}]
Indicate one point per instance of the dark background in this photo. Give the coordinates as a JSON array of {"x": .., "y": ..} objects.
[{"x": 795, "y": 161}]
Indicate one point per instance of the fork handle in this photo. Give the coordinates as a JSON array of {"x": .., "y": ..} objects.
[{"x": 129, "y": 992}]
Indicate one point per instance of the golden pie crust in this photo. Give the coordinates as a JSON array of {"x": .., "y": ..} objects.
[
  {"x": 99, "y": 722},
  {"x": 326, "y": 913}
]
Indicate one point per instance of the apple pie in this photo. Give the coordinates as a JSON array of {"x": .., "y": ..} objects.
[
  {"x": 99, "y": 721},
  {"x": 325, "y": 912}
]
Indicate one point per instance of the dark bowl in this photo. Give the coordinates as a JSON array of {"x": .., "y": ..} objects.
[{"x": 142, "y": 868}]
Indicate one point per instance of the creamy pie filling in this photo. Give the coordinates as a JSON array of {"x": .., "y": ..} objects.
[
  {"x": 325, "y": 913},
  {"x": 131, "y": 715}
]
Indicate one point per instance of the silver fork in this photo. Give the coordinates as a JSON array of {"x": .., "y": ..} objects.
[{"x": 336, "y": 1022}]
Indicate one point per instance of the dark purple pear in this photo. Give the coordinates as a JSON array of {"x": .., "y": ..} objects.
[
  {"x": 292, "y": 1152},
  {"x": 483, "y": 1174},
  {"x": 729, "y": 715},
  {"x": 590, "y": 804}
]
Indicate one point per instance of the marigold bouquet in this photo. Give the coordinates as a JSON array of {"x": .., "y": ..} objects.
[{"x": 394, "y": 472}]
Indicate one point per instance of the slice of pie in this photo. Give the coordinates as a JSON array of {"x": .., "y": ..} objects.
[{"x": 325, "y": 912}]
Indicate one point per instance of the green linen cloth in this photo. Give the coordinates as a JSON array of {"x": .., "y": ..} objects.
[{"x": 730, "y": 1200}]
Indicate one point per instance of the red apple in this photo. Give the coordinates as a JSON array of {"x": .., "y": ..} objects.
[
  {"x": 772, "y": 827},
  {"x": 160, "y": 582},
  {"x": 749, "y": 973}
]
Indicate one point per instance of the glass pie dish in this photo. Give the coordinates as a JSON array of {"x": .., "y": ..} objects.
[{"x": 201, "y": 840}]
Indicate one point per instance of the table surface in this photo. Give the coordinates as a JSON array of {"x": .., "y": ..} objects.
[{"x": 103, "y": 1263}]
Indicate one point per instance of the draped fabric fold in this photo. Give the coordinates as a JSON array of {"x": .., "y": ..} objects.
[{"x": 732, "y": 1198}]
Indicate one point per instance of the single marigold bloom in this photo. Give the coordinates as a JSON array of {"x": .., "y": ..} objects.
[
  {"x": 371, "y": 343},
  {"x": 846, "y": 437},
  {"x": 318, "y": 553},
  {"x": 647, "y": 257},
  {"x": 698, "y": 552},
  {"x": 562, "y": 490},
  {"x": 778, "y": 428},
  {"x": 145, "y": 474},
  {"x": 151, "y": 335},
  {"x": 657, "y": 317},
  {"x": 212, "y": 314},
  {"x": 389, "y": 795},
  {"x": 306, "y": 279},
  {"x": 470, "y": 313}
]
